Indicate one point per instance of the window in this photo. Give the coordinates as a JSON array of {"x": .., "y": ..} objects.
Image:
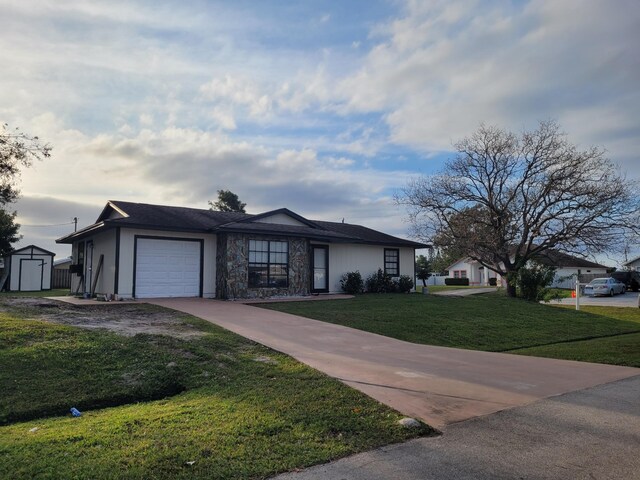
[
  {"x": 392, "y": 261},
  {"x": 268, "y": 264},
  {"x": 80, "y": 257},
  {"x": 459, "y": 274}
]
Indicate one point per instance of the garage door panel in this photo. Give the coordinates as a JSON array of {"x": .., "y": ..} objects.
[{"x": 167, "y": 268}]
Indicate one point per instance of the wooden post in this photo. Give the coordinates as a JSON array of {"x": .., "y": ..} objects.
[
  {"x": 95, "y": 278},
  {"x": 577, "y": 294}
]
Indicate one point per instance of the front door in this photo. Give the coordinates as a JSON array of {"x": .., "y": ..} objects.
[{"x": 320, "y": 268}]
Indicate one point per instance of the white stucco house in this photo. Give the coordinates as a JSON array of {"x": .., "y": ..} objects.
[
  {"x": 633, "y": 264},
  {"x": 137, "y": 250},
  {"x": 567, "y": 268}
]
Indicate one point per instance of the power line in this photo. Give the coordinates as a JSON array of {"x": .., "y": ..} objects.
[{"x": 51, "y": 225}]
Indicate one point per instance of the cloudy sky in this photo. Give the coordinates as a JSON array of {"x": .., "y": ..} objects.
[{"x": 325, "y": 107}]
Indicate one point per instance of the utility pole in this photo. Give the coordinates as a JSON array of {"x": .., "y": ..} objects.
[{"x": 75, "y": 224}]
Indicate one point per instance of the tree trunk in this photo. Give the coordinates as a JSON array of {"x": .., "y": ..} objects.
[
  {"x": 424, "y": 282},
  {"x": 511, "y": 276}
]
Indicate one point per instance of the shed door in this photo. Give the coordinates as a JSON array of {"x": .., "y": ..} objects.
[
  {"x": 167, "y": 268},
  {"x": 30, "y": 275}
]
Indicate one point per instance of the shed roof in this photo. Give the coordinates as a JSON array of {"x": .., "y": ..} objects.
[{"x": 44, "y": 252}]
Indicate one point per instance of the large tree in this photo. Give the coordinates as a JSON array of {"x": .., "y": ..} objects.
[
  {"x": 227, "y": 202},
  {"x": 17, "y": 150},
  {"x": 506, "y": 198}
]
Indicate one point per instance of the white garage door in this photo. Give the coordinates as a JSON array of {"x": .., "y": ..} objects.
[{"x": 167, "y": 268}]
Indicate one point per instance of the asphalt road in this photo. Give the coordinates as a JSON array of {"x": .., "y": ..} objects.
[
  {"x": 629, "y": 299},
  {"x": 588, "y": 434}
]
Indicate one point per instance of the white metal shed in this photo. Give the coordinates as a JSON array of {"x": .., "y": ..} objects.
[{"x": 30, "y": 269}]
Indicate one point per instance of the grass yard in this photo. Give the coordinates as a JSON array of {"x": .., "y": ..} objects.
[
  {"x": 56, "y": 292},
  {"x": 491, "y": 322},
  {"x": 157, "y": 406}
]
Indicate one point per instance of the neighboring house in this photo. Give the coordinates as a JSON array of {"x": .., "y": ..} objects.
[
  {"x": 160, "y": 251},
  {"x": 471, "y": 269},
  {"x": 28, "y": 269},
  {"x": 62, "y": 264},
  {"x": 61, "y": 273},
  {"x": 567, "y": 268},
  {"x": 633, "y": 264}
]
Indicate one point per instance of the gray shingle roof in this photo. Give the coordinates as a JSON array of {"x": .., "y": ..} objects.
[{"x": 161, "y": 217}]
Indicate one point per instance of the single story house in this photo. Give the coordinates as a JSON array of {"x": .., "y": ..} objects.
[
  {"x": 61, "y": 273},
  {"x": 633, "y": 264},
  {"x": 28, "y": 269},
  {"x": 137, "y": 250},
  {"x": 567, "y": 268},
  {"x": 63, "y": 263}
]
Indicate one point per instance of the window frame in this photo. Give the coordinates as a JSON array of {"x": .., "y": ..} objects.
[
  {"x": 269, "y": 265},
  {"x": 397, "y": 261}
]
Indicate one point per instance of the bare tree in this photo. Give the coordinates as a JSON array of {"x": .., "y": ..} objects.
[
  {"x": 17, "y": 149},
  {"x": 505, "y": 199}
]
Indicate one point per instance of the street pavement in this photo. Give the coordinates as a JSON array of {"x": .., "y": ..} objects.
[
  {"x": 588, "y": 434},
  {"x": 629, "y": 299}
]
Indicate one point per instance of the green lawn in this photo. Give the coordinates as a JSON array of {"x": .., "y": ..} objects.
[
  {"x": 491, "y": 322},
  {"x": 56, "y": 292},
  {"x": 234, "y": 408}
]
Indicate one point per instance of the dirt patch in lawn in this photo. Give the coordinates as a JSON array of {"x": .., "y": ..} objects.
[{"x": 128, "y": 319}]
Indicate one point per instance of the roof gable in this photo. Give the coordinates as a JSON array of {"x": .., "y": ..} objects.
[
  {"x": 111, "y": 211},
  {"x": 631, "y": 262},
  {"x": 282, "y": 216},
  {"x": 34, "y": 249}
]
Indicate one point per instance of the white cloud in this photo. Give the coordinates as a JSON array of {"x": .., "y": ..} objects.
[{"x": 444, "y": 67}]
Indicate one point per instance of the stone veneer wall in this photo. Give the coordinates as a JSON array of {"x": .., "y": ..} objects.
[{"x": 232, "y": 272}]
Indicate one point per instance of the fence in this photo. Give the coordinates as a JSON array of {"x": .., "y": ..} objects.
[
  {"x": 61, "y": 278},
  {"x": 432, "y": 280}
]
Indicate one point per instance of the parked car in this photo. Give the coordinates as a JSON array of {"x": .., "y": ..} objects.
[
  {"x": 604, "y": 286},
  {"x": 629, "y": 277}
]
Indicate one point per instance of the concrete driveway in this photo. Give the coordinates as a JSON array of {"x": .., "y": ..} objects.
[
  {"x": 629, "y": 299},
  {"x": 438, "y": 385}
]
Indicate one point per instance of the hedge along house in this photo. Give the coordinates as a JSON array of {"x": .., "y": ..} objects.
[{"x": 139, "y": 250}]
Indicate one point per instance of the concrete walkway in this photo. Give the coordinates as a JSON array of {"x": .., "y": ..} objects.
[
  {"x": 463, "y": 292},
  {"x": 590, "y": 434},
  {"x": 436, "y": 384}
]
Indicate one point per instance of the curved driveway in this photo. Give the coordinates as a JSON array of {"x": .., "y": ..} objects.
[{"x": 436, "y": 384}]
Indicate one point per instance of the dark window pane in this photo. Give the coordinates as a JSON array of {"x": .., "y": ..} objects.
[
  {"x": 268, "y": 264},
  {"x": 392, "y": 262}
]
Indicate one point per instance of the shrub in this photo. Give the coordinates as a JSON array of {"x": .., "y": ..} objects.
[
  {"x": 493, "y": 282},
  {"x": 533, "y": 281},
  {"x": 405, "y": 284},
  {"x": 351, "y": 283},
  {"x": 456, "y": 281},
  {"x": 380, "y": 282}
]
